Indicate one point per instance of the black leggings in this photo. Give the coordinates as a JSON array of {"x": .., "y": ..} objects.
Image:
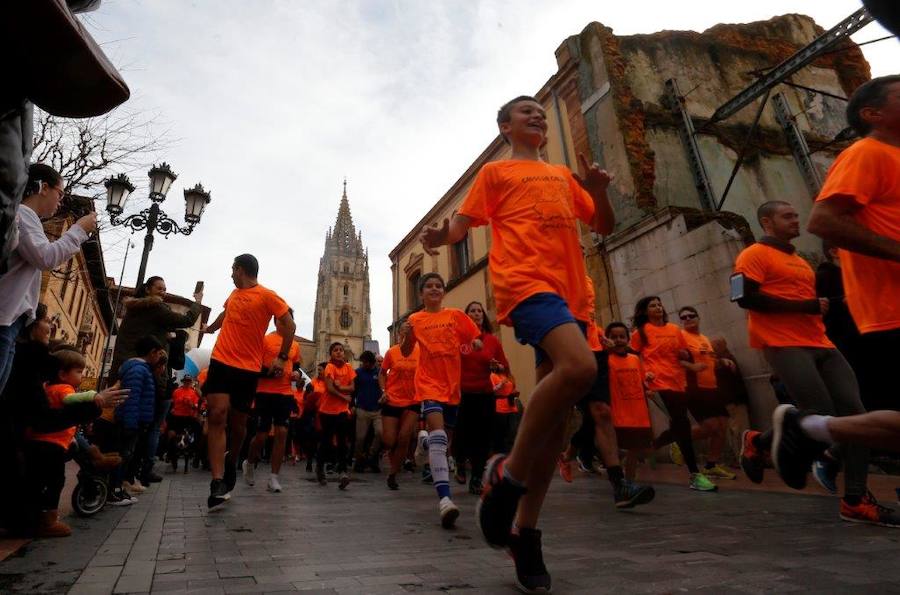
[
  {"x": 334, "y": 428},
  {"x": 45, "y": 473},
  {"x": 679, "y": 428},
  {"x": 472, "y": 437}
]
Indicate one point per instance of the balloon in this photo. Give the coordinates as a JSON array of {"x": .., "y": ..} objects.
[{"x": 194, "y": 360}]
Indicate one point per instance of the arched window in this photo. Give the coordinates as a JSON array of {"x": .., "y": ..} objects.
[
  {"x": 346, "y": 290},
  {"x": 346, "y": 319},
  {"x": 346, "y": 268},
  {"x": 413, "y": 298}
]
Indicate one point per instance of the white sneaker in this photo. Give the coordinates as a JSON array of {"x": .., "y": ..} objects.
[
  {"x": 449, "y": 512},
  {"x": 134, "y": 488},
  {"x": 421, "y": 455},
  {"x": 249, "y": 473},
  {"x": 274, "y": 486},
  {"x": 451, "y": 465}
]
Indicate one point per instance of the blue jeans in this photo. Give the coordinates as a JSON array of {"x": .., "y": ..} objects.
[
  {"x": 162, "y": 410},
  {"x": 8, "y": 336}
]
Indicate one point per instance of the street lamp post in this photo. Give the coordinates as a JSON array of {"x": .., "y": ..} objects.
[{"x": 154, "y": 219}]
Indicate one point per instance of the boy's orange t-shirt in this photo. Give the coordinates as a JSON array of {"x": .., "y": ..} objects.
[
  {"x": 55, "y": 395},
  {"x": 440, "y": 335},
  {"x": 400, "y": 376},
  {"x": 786, "y": 276},
  {"x": 185, "y": 402},
  {"x": 282, "y": 384},
  {"x": 533, "y": 209},
  {"x": 626, "y": 391},
  {"x": 503, "y": 388},
  {"x": 702, "y": 353},
  {"x": 660, "y": 356},
  {"x": 868, "y": 173},
  {"x": 342, "y": 375},
  {"x": 247, "y": 315}
]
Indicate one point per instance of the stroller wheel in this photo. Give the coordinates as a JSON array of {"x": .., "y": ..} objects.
[{"x": 89, "y": 496}]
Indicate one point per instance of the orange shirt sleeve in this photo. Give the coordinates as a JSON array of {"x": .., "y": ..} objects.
[
  {"x": 466, "y": 330},
  {"x": 858, "y": 173},
  {"x": 479, "y": 202},
  {"x": 388, "y": 361},
  {"x": 636, "y": 343},
  {"x": 752, "y": 264},
  {"x": 277, "y": 306}
]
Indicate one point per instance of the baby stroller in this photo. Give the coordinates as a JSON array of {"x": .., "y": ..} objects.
[{"x": 89, "y": 495}]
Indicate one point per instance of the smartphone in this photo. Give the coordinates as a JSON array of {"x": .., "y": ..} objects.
[
  {"x": 198, "y": 287},
  {"x": 737, "y": 286}
]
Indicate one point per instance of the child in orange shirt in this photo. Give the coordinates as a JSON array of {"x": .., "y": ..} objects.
[
  {"x": 506, "y": 409},
  {"x": 537, "y": 274},
  {"x": 440, "y": 333},
  {"x": 334, "y": 415}
]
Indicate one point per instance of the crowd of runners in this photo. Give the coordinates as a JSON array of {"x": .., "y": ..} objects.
[{"x": 443, "y": 401}]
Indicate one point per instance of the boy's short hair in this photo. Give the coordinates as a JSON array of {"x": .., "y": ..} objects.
[
  {"x": 691, "y": 309},
  {"x": 147, "y": 344},
  {"x": 248, "y": 264},
  {"x": 68, "y": 358},
  {"x": 426, "y": 277},
  {"x": 869, "y": 94},
  {"x": 613, "y": 325},
  {"x": 367, "y": 357},
  {"x": 333, "y": 345},
  {"x": 504, "y": 114}
]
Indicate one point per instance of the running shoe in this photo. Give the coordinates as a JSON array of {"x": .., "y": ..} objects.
[
  {"x": 701, "y": 483},
  {"x": 531, "y": 574},
  {"x": 408, "y": 465},
  {"x": 460, "y": 476},
  {"x": 230, "y": 478},
  {"x": 585, "y": 467},
  {"x": 134, "y": 487},
  {"x": 718, "y": 471},
  {"x": 565, "y": 468},
  {"x": 274, "y": 485},
  {"x": 793, "y": 452},
  {"x": 421, "y": 454},
  {"x": 475, "y": 487},
  {"x": 753, "y": 461},
  {"x": 449, "y": 512},
  {"x": 392, "y": 482},
  {"x": 629, "y": 495},
  {"x": 825, "y": 472},
  {"x": 120, "y": 497},
  {"x": 675, "y": 454},
  {"x": 870, "y": 512},
  {"x": 151, "y": 477},
  {"x": 344, "y": 481},
  {"x": 309, "y": 467},
  {"x": 426, "y": 474},
  {"x": 218, "y": 495},
  {"x": 451, "y": 464},
  {"x": 496, "y": 509},
  {"x": 249, "y": 472}
]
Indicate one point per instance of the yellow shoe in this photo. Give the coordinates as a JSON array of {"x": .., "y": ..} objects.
[
  {"x": 719, "y": 472},
  {"x": 675, "y": 454}
]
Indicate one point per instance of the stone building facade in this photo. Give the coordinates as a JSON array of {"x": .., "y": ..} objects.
[
  {"x": 343, "y": 313},
  {"x": 608, "y": 100}
]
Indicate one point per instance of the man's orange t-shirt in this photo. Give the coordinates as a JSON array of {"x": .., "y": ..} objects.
[
  {"x": 868, "y": 173},
  {"x": 247, "y": 315},
  {"x": 702, "y": 353},
  {"x": 400, "y": 376},
  {"x": 55, "y": 395},
  {"x": 185, "y": 402},
  {"x": 282, "y": 384},
  {"x": 440, "y": 336},
  {"x": 626, "y": 391},
  {"x": 342, "y": 375},
  {"x": 786, "y": 276},
  {"x": 660, "y": 356},
  {"x": 503, "y": 389},
  {"x": 533, "y": 209}
]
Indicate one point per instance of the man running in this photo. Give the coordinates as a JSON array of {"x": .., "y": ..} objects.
[{"x": 235, "y": 366}]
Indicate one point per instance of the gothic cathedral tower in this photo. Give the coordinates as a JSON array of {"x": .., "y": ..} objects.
[{"x": 343, "y": 312}]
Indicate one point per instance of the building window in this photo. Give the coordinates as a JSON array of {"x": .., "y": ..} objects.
[
  {"x": 413, "y": 298},
  {"x": 346, "y": 268},
  {"x": 459, "y": 258},
  {"x": 346, "y": 319},
  {"x": 346, "y": 290}
]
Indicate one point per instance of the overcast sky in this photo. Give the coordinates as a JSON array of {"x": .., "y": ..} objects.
[{"x": 271, "y": 103}]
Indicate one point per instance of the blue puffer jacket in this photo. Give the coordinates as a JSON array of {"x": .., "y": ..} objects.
[{"x": 138, "y": 408}]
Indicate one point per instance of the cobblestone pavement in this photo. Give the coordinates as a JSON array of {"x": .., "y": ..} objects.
[{"x": 371, "y": 540}]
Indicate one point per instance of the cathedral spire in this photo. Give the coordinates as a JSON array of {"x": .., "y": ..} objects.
[{"x": 345, "y": 238}]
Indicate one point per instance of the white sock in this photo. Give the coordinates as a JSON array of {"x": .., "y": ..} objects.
[
  {"x": 437, "y": 457},
  {"x": 816, "y": 427}
]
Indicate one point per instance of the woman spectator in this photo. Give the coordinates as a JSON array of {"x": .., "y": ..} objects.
[
  {"x": 20, "y": 285},
  {"x": 473, "y": 437}
]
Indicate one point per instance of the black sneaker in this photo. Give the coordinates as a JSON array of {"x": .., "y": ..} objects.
[
  {"x": 793, "y": 452},
  {"x": 392, "y": 482},
  {"x": 120, "y": 497},
  {"x": 629, "y": 495},
  {"x": 230, "y": 478},
  {"x": 218, "y": 495},
  {"x": 408, "y": 465},
  {"x": 496, "y": 509},
  {"x": 531, "y": 574},
  {"x": 344, "y": 481},
  {"x": 753, "y": 459},
  {"x": 475, "y": 486}
]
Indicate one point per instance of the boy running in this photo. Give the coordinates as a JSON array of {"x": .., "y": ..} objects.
[
  {"x": 334, "y": 415},
  {"x": 537, "y": 274}
]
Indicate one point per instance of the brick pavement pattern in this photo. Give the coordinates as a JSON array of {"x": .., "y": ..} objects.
[{"x": 371, "y": 540}]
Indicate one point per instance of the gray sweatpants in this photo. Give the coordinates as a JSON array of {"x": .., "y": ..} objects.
[{"x": 821, "y": 380}]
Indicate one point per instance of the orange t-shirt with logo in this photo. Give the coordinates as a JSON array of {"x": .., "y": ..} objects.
[
  {"x": 533, "y": 209},
  {"x": 247, "y": 315},
  {"x": 55, "y": 395},
  {"x": 185, "y": 402},
  {"x": 660, "y": 355},
  {"x": 626, "y": 391},
  {"x": 400, "y": 376},
  {"x": 785, "y": 276},
  {"x": 280, "y": 385},
  {"x": 868, "y": 173},
  {"x": 341, "y": 375},
  {"x": 503, "y": 389},
  {"x": 440, "y": 336},
  {"x": 702, "y": 353}
]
